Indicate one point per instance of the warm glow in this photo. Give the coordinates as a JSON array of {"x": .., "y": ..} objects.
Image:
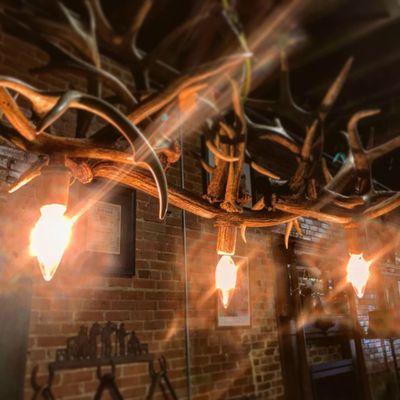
[
  {"x": 50, "y": 237},
  {"x": 225, "y": 278},
  {"x": 358, "y": 273}
]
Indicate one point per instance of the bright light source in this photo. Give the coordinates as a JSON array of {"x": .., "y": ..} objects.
[
  {"x": 50, "y": 237},
  {"x": 358, "y": 273},
  {"x": 225, "y": 278}
]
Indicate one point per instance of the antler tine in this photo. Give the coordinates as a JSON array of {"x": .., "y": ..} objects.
[
  {"x": 356, "y": 147},
  {"x": 60, "y": 58},
  {"x": 243, "y": 229},
  {"x": 288, "y": 229},
  {"x": 276, "y": 138},
  {"x": 334, "y": 91},
  {"x": 328, "y": 101},
  {"x": 259, "y": 205},
  {"x": 285, "y": 90},
  {"x": 231, "y": 201},
  {"x": 263, "y": 171},
  {"x": 309, "y": 140},
  {"x": 137, "y": 21},
  {"x": 207, "y": 167},
  {"x": 15, "y": 116},
  {"x": 71, "y": 31},
  {"x": 30, "y": 174},
  {"x": 89, "y": 71},
  {"x": 275, "y": 134},
  {"x": 325, "y": 170},
  {"x": 218, "y": 153},
  {"x": 297, "y": 226},
  {"x": 383, "y": 149}
]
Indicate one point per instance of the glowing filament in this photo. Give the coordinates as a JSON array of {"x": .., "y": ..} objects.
[
  {"x": 225, "y": 278},
  {"x": 358, "y": 273},
  {"x": 50, "y": 237}
]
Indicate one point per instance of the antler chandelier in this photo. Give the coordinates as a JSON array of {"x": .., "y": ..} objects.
[{"x": 76, "y": 39}]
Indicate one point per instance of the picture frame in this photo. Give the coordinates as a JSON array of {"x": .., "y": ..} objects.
[
  {"x": 238, "y": 312},
  {"x": 105, "y": 235}
]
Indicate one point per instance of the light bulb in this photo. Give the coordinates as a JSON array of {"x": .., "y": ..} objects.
[
  {"x": 358, "y": 273},
  {"x": 50, "y": 237},
  {"x": 225, "y": 278}
]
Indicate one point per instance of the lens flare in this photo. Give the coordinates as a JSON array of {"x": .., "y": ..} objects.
[
  {"x": 50, "y": 237},
  {"x": 358, "y": 273},
  {"x": 225, "y": 278}
]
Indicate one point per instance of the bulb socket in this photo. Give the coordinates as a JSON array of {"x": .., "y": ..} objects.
[
  {"x": 53, "y": 185},
  {"x": 355, "y": 238},
  {"x": 226, "y": 240}
]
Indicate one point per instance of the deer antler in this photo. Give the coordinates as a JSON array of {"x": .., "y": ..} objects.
[{"x": 50, "y": 107}]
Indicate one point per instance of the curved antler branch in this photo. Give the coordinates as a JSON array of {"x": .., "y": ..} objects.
[
  {"x": 360, "y": 157},
  {"x": 15, "y": 116},
  {"x": 184, "y": 199},
  {"x": 52, "y": 106}
]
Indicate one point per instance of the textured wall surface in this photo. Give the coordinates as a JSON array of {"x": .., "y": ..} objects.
[{"x": 224, "y": 362}]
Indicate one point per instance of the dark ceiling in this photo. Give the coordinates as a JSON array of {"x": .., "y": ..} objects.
[{"x": 332, "y": 31}]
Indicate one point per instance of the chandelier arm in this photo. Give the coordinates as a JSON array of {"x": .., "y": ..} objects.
[
  {"x": 307, "y": 209},
  {"x": 382, "y": 207},
  {"x": 139, "y": 179},
  {"x": 71, "y": 147}
]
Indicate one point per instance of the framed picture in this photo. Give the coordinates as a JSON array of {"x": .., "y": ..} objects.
[
  {"x": 238, "y": 311},
  {"x": 104, "y": 236},
  {"x": 246, "y": 178}
]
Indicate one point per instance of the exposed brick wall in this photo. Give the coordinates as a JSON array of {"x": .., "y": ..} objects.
[
  {"x": 323, "y": 353},
  {"x": 225, "y": 363}
]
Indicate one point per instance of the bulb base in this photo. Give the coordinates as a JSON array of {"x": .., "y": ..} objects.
[
  {"x": 53, "y": 185},
  {"x": 226, "y": 240}
]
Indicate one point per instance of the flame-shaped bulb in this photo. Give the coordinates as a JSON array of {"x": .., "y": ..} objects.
[
  {"x": 225, "y": 278},
  {"x": 50, "y": 237},
  {"x": 358, "y": 273}
]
